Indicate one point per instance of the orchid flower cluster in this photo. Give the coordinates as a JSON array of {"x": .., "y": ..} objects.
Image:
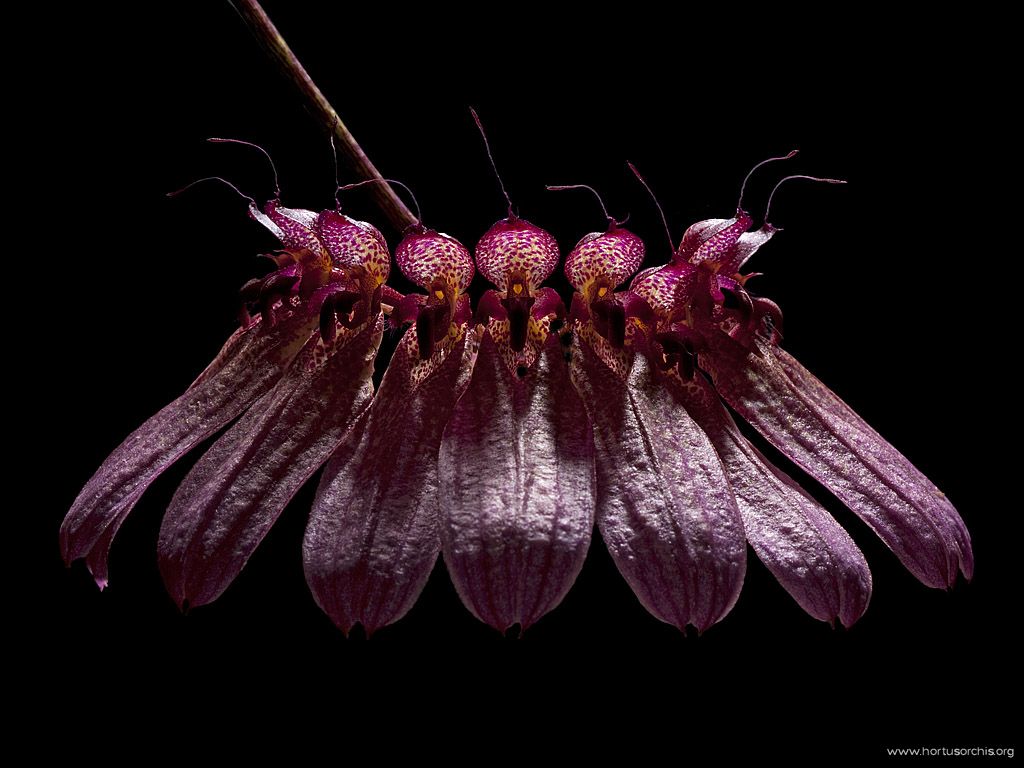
[{"x": 500, "y": 435}]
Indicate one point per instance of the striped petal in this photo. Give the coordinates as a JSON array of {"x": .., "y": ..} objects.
[
  {"x": 373, "y": 534},
  {"x": 230, "y": 499},
  {"x": 249, "y": 365},
  {"x": 664, "y": 508},
  {"x": 517, "y": 488},
  {"x": 806, "y": 421},
  {"x": 803, "y": 546}
]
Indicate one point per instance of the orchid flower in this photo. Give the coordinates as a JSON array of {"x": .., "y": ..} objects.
[
  {"x": 680, "y": 488},
  {"x": 233, "y": 495},
  {"x": 498, "y": 439},
  {"x": 516, "y": 461},
  {"x": 248, "y": 366},
  {"x": 373, "y": 536}
]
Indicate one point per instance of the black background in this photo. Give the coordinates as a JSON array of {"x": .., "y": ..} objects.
[{"x": 886, "y": 285}]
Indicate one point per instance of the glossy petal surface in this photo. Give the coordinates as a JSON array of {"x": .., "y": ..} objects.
[
  {"x": 296, "y": 226},
  {"x": 514, "y": 246},
  {"x": 428, "y": 256},
  {"x": 612, "y": 256}
]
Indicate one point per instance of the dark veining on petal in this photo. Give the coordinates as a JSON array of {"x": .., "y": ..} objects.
[
  {"x": 810, "y": 554},
  {"x": 233, "y": 495},
  {"x": 815, "y": 429},
  {"x": 250, "y": 363},
  {"x": 373, "y": 534},
  {"x": 517, "y": 488},
  {"x": 665, "y": 508}
]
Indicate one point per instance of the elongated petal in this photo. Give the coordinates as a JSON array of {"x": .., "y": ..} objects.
[
  {"x": 250, "y": 364},
  {"x": 814, "y": 428},
  {"x": 803, "y": 546},
  {"x": 664, "y": 507},
  {"x": 373, "y": 534},
  {"x": 517, "y": 488},
  {"x": 237, "y": 490}
]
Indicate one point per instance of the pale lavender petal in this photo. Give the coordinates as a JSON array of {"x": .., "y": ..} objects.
[
  {"x": 810, "y": 554},
  {"x": 373, "y": 534},
  {"x": 814, "y": 428},
  {"x": 231, "y": 498},
  {"x": 517, "y": 488},
  {"x": 250, "y": 363},
  {"x": 664, "y": 506}
]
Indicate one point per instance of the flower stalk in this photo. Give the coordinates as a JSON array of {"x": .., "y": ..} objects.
[{"x": 266, "y": 33}]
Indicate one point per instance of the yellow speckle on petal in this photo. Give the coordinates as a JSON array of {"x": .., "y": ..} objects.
[
  {"x": 439, "y": 294},
  {"x": 602, "y": 291}
]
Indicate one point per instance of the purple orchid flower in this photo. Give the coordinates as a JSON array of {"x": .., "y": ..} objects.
[
  {"x": 499, "y": 440},
  {"x": 517, "y": 458},
  {"x": 229, "y": 500},
  {"x": 248, "y": 366},
  {"x": 373, "y": 535},
  {"x": 680, "y": 488}
]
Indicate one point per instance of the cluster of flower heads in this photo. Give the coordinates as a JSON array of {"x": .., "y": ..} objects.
[{"x": 498, "y": 437}]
